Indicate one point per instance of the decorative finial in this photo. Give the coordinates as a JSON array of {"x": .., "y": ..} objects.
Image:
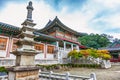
[{"x": 29, "y": 13}]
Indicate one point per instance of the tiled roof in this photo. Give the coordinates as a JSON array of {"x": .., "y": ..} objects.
[
  {"x": 115, "y": 44},
  {"x": 9, "y": 29},
  {"x": 113, "y": 47},
  {"x": 56, "y": 21}
]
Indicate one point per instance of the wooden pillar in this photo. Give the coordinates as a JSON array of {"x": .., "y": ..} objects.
[{"x": 9, "y": 43}]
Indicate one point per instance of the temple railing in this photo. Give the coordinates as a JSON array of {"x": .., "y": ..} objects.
[
  {"x": 111, "y": 49},
  {"x": 67, "y": 76},
  {"x": 7, "y": 62},
  {"x": 57, "y": 76},
  {"x": 46, "y": 61},
  {"x": 67, "y": 49},
  {"x": 4, "y": 77},
  {"x": 64, "y": 53}
]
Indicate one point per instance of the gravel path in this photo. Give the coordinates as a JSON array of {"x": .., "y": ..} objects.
[{"x": 112, "y": 73}]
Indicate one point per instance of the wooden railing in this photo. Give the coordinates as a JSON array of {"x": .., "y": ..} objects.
[{"x": 57, "y": 76}]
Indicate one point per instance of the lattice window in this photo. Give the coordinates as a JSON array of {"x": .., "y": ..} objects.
[
  {"x": 39, "y": 47},
  {"x": 50, "y": 49},
  {"x": 3, "y": 43}
]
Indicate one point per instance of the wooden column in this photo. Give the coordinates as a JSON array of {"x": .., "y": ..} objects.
[{"x": 9, "y": 43}]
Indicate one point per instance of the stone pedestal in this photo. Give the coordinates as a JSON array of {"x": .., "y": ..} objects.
[
  {"x": 25, "y": 58},
  {"x": 23, "y": 73}
]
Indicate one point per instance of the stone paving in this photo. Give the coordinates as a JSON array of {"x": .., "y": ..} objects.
[{"x": 102, "y": 74}]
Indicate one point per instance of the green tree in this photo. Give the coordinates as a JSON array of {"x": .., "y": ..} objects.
[{"x": 94, "y": 40}]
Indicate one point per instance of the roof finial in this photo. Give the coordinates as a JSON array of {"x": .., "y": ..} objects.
[{"x": 29, "y": 13}]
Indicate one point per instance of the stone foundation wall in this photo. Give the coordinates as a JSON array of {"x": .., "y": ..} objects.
[{"x": 11, "y": 62}]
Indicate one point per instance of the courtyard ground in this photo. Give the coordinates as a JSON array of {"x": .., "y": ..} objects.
[{"x": 112, "y": 73}]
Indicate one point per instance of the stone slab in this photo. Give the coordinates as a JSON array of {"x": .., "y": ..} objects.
[{"x": 24, "y": 75}]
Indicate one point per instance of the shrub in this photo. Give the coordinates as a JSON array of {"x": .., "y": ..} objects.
[
  {"x": 75, "y": 55},
  {"x": 106, "y": 56},
  {"x": 85, "y": 53},
  {"x": 3, "y": 69}
]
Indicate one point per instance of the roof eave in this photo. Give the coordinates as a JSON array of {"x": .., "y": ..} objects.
[{"x": 43, "y": 36}]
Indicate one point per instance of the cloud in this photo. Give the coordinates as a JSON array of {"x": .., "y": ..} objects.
[
  {"x": 13, "y": 14},
  {"x": 41, "y": 14},
  {"x": 90, "y": 16},
  {"x": 108, "y": 3},
  {"x": 71, "y": 5},
  {"x": 104, "y": 16}
]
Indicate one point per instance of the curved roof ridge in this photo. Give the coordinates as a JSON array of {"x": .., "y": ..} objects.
[
  {"x": 58, "y": 22},
  {"x": 115, "y": 44},
  {"x": 49, "y": 22},
  {"x": 56, "y": 18}
]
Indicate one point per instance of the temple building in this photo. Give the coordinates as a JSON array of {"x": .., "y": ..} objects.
[
  {"x": 55, "y": 40},
  {"x": 114, "y": 50}
]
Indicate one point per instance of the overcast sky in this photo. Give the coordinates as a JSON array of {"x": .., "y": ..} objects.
[{"x": 88, "y": 16}]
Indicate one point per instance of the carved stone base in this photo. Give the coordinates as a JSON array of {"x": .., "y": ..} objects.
[{"x": 23, "y": 73}]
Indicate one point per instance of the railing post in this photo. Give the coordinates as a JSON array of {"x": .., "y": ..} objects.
[
  {"x": 93, "y": 76},
  {"x": 3, "y": 77},
  {"x": 67, "y": 76},
  {"x": 50, "y": 74}
]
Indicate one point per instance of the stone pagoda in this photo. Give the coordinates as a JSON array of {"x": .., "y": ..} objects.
[{"x": 25, "y": 68}]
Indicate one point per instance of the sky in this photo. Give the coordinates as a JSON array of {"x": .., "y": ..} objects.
[{"x": 87, "y": 16}]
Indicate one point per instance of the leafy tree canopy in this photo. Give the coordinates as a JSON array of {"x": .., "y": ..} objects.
[{"x": 94, "y": 40}]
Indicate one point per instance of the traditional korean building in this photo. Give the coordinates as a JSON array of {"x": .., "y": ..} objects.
[
  {"x": 114, "y": 50},
  {"x": 55, "y": 40}
]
